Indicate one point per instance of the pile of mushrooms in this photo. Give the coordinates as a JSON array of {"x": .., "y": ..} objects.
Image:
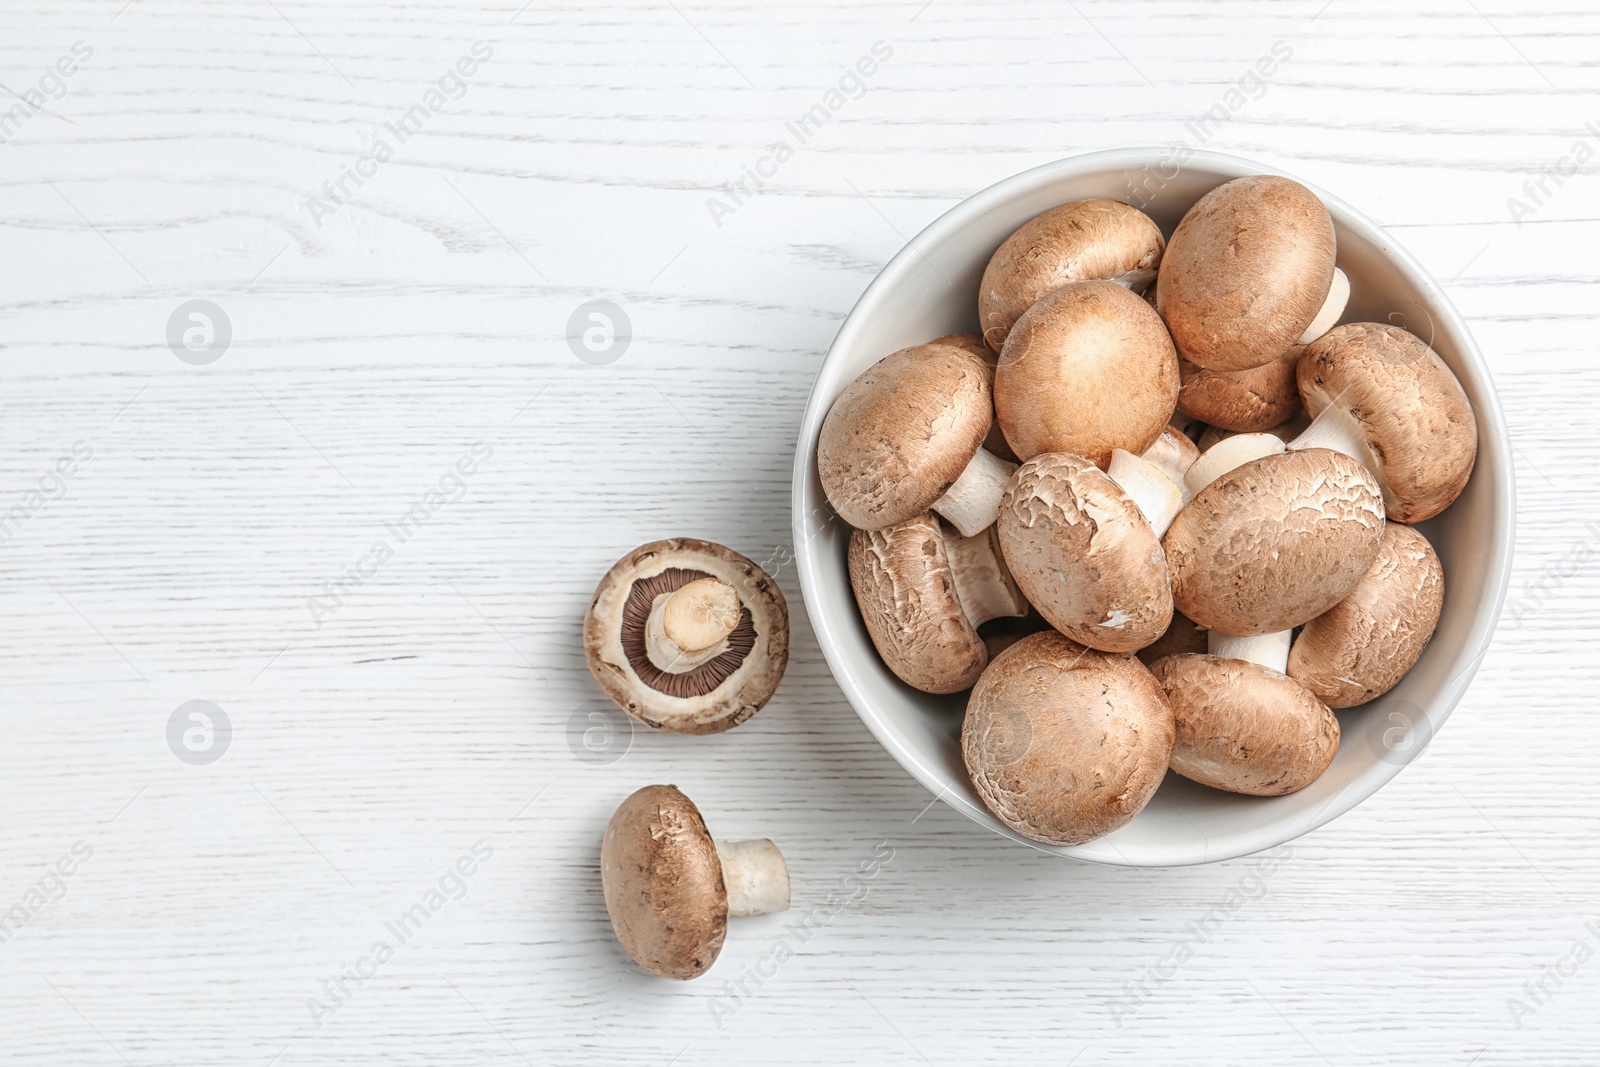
[{"x": 1159, "y": 513}]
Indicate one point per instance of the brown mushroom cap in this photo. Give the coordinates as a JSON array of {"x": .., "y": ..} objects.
[
  {"x": 1071, "y": 243},
  {"x": 716, "y": 695},
  {"x": 1083, "y": 553},
  {"x": 1243, "y": 401},
  {"x": 1357, "y": 650},
  {"x": 663, "y": 883},
  {"x": 1245, "y": 728},
  {"x": 902, "y": 433},
  {"x": 995, "y": 440},
  {"x": 1087, "y": 369},
  {"x": 1274, "y": 543},
  {"x": 1413, "y": 412},
  {"x": 907, "y": 595},
  {"x": 1182, "y": 635},
  {"x": 1246, "y": 272},
  {"x": 1063, "y": 743}
]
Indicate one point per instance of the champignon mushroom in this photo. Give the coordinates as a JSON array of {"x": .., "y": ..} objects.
[
  {"x": 1358, "y": 649},
  {"x": 923, "y": 592},
  {"x": 1087, "y": 369},
  {"x": 1245, "y": 728},
  {"x": 1273, "y": 543},
  {"x": 906, "y": 435},
  {"x": 1071, "y": 243},
  {"x": 688, "y": 636},
  {"x": 1243, "y": 401},
  {"x": 669, "y": 888},
  {"x": 1084, "y": 554},
  {"x": 1247, "y": 272},
  {"x": 1383, "y": 397},
  {"x": 1065, "y": 744},
  {"x": 995, "y": 441}
]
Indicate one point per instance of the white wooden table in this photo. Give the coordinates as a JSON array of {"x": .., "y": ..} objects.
[{"x": 436, "y": 699}]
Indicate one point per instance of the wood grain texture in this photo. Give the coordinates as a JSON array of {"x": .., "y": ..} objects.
[{"x": 444, "y": 702}]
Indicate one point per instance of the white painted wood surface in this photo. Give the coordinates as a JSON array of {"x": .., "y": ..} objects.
[{"x": 435, "y": 708}]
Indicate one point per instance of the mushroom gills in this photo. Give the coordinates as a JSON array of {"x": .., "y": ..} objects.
[
  {"x": 1264, "y": 650},
  {"x": 1332, "y": 308},
  {"x": 1155, "y": 494},
  {"x": 983, "y": 581},
  {"x": 756, "y": 876},
  {"x": 972, "y": 502}
]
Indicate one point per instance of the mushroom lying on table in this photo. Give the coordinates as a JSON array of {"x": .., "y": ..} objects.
[
  {"x": 907, "y": 436},
  {"x": 1383, "y": 397},
  {"x": 1072, "y": 243},
  {"x": 1065, "y": 744},
  {"x": 669, "y": 888},
  {"x": 688, "y": 636},
  {"x": 1361, "y": 647},
  {"x": 923, "y": 591},
  {"x": 1249, "y": 272}
]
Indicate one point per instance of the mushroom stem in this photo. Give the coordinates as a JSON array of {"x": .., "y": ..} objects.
[
  {"x": 972, "y": 502},
  {"x": 1264, "y": 650},
  {"x": 690, "y": 626},
  {"x": 1334, "y": 427},
  {"x": 1137, "y": 280},
  {"x": 1226, "y": 454},
  {"x": 756, "y": 876},
  {"x": 1158, "y": 496},
  {"x": 1332, "y": 308},
  {"x": 983, "y": 582}
]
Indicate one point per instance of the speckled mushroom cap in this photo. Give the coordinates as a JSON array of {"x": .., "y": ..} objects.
[
  {"x": 1071, "y": 243},
  {"x": 907, "y": 595},
  {"x": 1087, "y": 369},
  {"x": 1243, "y": 401},
  {"x": 663, "y": 883},
  {"x": 1083, "y": 554},
  {"x": 1246, "y": 272},
  {"x": 1357, "y": 650},
  {"x": 1245, "y": 728},
  {"x": 720, "y": 693},
  {"x": 1274, "y": 543},
  {"x": 994, "y": 441},
  {"x": 1413, "y": 412},
  {"x": 1065, "y": 744},
  {"x": 902, "y": 433}
]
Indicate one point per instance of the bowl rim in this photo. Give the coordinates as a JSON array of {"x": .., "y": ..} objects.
[{"x": 1273, "y": 831}]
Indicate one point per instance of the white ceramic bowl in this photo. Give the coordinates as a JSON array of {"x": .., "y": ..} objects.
[{"x": 930, "y": 288}]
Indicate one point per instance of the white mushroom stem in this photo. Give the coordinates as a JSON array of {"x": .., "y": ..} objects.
[
  {"x": 1138, "y": 279},
  {"x": 756, "y": 876},
  {"x": 973, "y": 502},
  {"x": 1228, "y": 453},
  {"x": 1172, "y": 454},
  {"x": 1266, "y": 650},
  {"x": 1335, "y": 428},
  {"x": 983, "y": 583},
  {"x": 1158, "y": 496},
  {"x": 1332, "y": 308},
  {"x": 690, "y": 626}
]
